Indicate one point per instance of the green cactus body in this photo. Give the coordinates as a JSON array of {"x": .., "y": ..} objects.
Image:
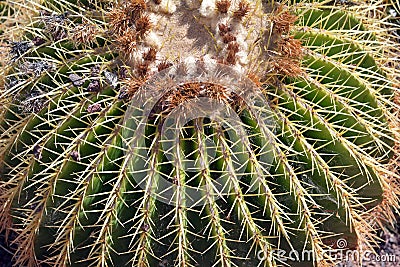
[{"x": 91, "y": 175}]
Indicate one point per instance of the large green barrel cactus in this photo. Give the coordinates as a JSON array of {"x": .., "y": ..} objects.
[{"x": 197, "y": 133}]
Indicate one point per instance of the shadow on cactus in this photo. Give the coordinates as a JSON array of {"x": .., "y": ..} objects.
[{"x": 187, "y": 133}]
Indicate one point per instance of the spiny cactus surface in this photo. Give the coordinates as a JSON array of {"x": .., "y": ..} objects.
[{"x": 197, "y": 133}]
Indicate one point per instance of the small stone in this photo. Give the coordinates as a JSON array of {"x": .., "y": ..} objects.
[
  {"x": 37, "y": 152},
  {"x": 111, "y": 78},
  {"x": 10, "y": 82},
  {"x": 19, "y": 48},
  {"x": 94, "y": 108},
  {"x": 76, "y": 79},
  {"x": 33, "y": 103},
  {"x": 123, "y": 93},
  {"x": 75, "y": 155},
  {"x": 94, "y": 86},
  {"x": 36, "y": 68},
  {"x": 38, "y": 41},
  {"x": 393, "y": 12},
  {"x": 95, "y": 71},
  {"x": 55, "y": 24}
]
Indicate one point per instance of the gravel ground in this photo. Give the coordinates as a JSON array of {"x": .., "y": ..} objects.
[
  {"x": 389, "y": 250},
  {"x": 387, "y": 254}
]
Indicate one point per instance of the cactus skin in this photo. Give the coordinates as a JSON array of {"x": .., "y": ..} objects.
[{"x": 66, "y": 189}]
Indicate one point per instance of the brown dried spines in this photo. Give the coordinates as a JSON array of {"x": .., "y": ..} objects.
[
  {"x": 126, "y": 43},
  {"x": 163, "y": 65},
  {"x": 282, "y": 21},
  {"x": 135, "y": 9},
  {"x": 234, "y": 46},
  {"x": 223, "y": 29},
  {"x": 191, "y": 90},
  {"x": 223, "y": 6},
  {"x": 242, "y": 10},
  {"x": 232, "y": 49},
  {"x": 286, "y": 66},
  {"x": 231, "y": 57},
  {"x": 131, "y": 86},
  {"x": 254, "y": 78},
  {"x": 288, "y": 50},
  {"x": 142, "y": 69},
  {"x": 150, "y": 55},
  {"x": 181, "y": 68},
  {"x": 229, "y": 37},
  {"x": 84, "y": 33},
  {"x": 143, "y": 25},
  {"x": 123, "y": 17},
  {"x": 290, "y": 47},
  {"x": 119, "y": 20},
  {"x": 137, "y": 6},
  {"x": 129, "y": 24}
]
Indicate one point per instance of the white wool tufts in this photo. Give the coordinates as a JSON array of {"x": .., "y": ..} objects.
[
  {"x": 242, "y": 43},
  {"x": 167, "y": 6},
  {"x": 207, "y": 8},
  {"x": 190, "y": 63},
  {"x": 242, "y": 57},
  {"x": 209, "y": 63},
  {"x": 153, "y": 40}
]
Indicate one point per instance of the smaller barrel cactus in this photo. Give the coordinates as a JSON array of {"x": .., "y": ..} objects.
[{"x": 198, "y": 133}]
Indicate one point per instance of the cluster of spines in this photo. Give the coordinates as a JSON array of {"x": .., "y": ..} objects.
[
  {"x": 239, "y": 12},
  {"x": 130, "y": 19}
]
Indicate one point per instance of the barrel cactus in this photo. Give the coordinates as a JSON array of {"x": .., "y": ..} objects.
[{"x": 197, "y": 133}]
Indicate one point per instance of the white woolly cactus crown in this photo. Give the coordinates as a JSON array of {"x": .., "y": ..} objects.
[{"x": 243, "y": 34}]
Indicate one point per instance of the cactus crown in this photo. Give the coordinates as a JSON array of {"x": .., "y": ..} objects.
[{"x": 214, "y": 132}]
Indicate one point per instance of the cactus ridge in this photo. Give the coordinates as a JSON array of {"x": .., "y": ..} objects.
[{"x": 89, "y": 177}]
